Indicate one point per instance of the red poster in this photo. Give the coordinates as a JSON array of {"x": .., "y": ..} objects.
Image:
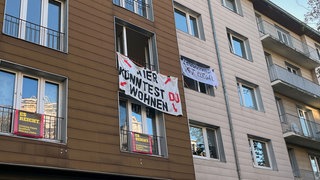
[{"x": 28, "y": 124}]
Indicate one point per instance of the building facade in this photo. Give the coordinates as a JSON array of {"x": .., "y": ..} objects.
[
  {"x": 245, "y": 70},
  {"x": 62, "y": 113}
]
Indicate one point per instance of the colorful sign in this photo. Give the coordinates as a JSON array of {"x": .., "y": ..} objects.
[
  {"x": 141, "y": 143},
  {"x": 28, "y": 124},
  {"x": 149, "y": 87},
  {"x": 198, "y": 73}
]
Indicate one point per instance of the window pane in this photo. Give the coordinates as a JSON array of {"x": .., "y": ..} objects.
[
  {"x": 129, "y": 5},
  {"x": 249, "y": 97},
  {"x": 51, "y": 99},
  {"x": 151, "y": 121},
  {"x": 261, "y": 154},
  {"x": 190, "y": 83},
  {"x": 231, "y": 4},
  {"x": 142, "y": 8},
  {"x": 181, "y": 20},
  {"x": 238, "y": 47},
  {"x": 54, "y": 23},
  {"x": 194, "y": 27},
  {"x": 197, "y": 141},
  {"x": 117, "y": 2},
  {"x": 240, "y": 94},
  {"x": 13, "y": 8},
  {"x": 29, "y": 94},
  {"x": 212, "y": 144},
  {"x": 33, "y": 21},
  {"x": 136, "y": 118},
  {"x": 7, "y": 89},
  {"x": 123, "y": 125}
]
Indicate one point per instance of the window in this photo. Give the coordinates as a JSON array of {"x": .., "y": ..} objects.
[
  {"x": 281, "y": 110},
  {"x": 259, "y": 23},
  {"x": 38, "y": 21},
  {"x": 293, "y": 162},
  {"x": 249, "y": 95},
  {"x": 139, "y": 122},
  {"x": 188, "y": 21},
  {"x": 141, "y": 7},
  {"x": 283, "y": 36},
  {"x": 239, "y": 45},
  {"x": 196, "y": 85},
  {"x": 35, "y": 95},
  {"x": 137, "y": 44},
  {"x": 260, "y": 152},
  {"x": 315, "y": 165},
  {"x": 318, "y": 50},
  {"x": 293, "y": 69},
  {"x": 233, "y": 5},
  {"x": 206, "y": 141}
]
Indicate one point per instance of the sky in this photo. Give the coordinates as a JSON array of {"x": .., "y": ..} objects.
[{"x": 295, "y": 7}]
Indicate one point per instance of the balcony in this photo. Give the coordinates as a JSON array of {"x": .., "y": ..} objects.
[
  {"x": 284, "y": 44},
  {"x": 33, "y": 33},
  {"x": 48, "y": 130},
  {"x": 294, "y": 86},
  {"x": 301, "y": 131}
]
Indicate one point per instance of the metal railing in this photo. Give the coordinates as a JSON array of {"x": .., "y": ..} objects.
[
  {"x": 296, "y": 44},
  {"x": 157, "y": 142},
  {"x": 300, "y": 126},
  {"x": 51, "y": 124},
  {"x": 137, "y": 6},
  {"x": 34, "y": 33},
  {"x": 278, "y": 73}
]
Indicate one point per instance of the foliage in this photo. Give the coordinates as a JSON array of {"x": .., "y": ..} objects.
[{"x": 313, "y": 14}]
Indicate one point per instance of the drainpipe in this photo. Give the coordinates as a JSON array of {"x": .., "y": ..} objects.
[{"x": 226, "y": 98}]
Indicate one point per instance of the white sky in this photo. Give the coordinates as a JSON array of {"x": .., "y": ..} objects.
[{"x": 295, "y": 7}]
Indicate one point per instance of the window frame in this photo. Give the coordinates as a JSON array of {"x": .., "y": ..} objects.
[
  {"x": 42, "y": 78},
  {"x": 236, "y": 8},
  {"x": 151, "y": 60},
  {"x": 136, "y": 4},
  {"x": 257, "y": 101},
  {"x": 317, "y": 164},
  {"x": 190, "y": 14},
  {"x": 218, "y": 141},
  {"x": 252, "y": 151},
  {"x": 159, "y": 124},
  {"x": 245, "y": 46},
  {"x": 284, "y": 36},
  {"x": 293, "y": 69},
  {"x": 44, "y": 36}
]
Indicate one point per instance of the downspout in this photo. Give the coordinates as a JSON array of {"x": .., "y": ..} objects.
[{"x": 226, "y": 98}]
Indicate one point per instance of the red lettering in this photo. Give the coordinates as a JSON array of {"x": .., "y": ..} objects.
[{"x": 174, "y": 97}]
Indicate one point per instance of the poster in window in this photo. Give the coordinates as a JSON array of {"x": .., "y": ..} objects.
[
  {"x": 141, "y": 143},
  {"x": 28, "y": 124}
]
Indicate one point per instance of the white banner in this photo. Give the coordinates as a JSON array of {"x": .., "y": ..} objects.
[
  {"x": 201, "y": 74},
  {"x": 152, "y": 89}
]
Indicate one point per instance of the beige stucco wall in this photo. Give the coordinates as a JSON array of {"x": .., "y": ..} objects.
[{"x": 212, "y": 110}]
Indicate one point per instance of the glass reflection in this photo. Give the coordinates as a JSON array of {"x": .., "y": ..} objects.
[
  {"x": 197, "y": 141},
  {"x": 29, "y": 99}
]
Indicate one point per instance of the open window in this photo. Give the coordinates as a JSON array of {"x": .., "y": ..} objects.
[
  {"x": 33, "y": 105},
  {"x": 233, "y": 5},
  {"x": 249, "y": 95},
  {"x": 239, "y": 45},
  {"x": 137, "y": 44},
  {"x": 41, "y": 22},
  {"x": 141, "y": 128}
]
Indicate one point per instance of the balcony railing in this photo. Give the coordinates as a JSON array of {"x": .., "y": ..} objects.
[
  {"x": 141, "y": 7},
  {"x": 34, "y": 33},
  {"x": 128, "y": 143},
  {"x": 296, "y": 44},
  {"x": 51, "y": 124},
  {"x": 300, "y": 126},
  {"x": 278, "y": 73}
]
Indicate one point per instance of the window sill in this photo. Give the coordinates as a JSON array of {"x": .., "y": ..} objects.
[
  {"x": 199, "y": 92},
  {"x": 262, "y": 167},
  {"x": 148, "y": 155},
  {"x": 241, "y": 57},
  {"x": 2, "y": 134},
  {"x": 190, "y": 35},
  {"x": 206, "y": 158},
  {"x": 240, "y": 14}
]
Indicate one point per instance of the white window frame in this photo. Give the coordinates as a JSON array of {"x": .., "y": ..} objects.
[
  {"x": 284, "y": 36},
  {"x": 255, "y": 164},
  {"x": 189, "y": 27},
  {"x": 18, "y": 89},
  {"x": 43, "y": 22},
  {"x": 148, "y": 3},
  {"x": 150, "y": 53},
  {"x": 257, "y": 102},
  {"x": 244, "y": 42},
  {"x": 317, "y": 166},
  {"x": 206, "y": 142},
  {"x": 159, "y": 125},
  {"x": 236, "y": 8},
  {"x": 318, "y": 50}
]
